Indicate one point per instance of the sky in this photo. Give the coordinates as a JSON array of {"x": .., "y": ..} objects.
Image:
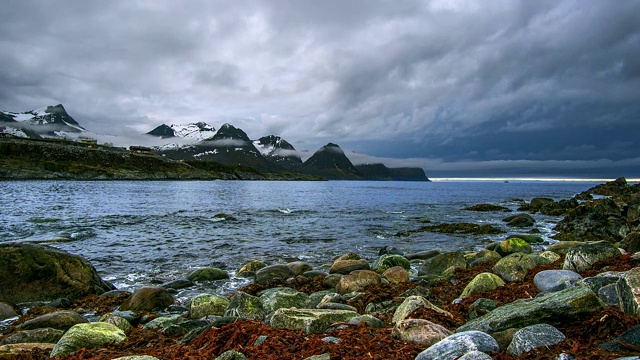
[{"x": 460, "y": 88}]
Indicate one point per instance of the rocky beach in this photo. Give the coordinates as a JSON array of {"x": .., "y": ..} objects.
[{"x": 574, "y": 298}]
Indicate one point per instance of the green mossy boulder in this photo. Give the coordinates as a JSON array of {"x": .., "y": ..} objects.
[
  {"x": 277, "y": 298},
  {"x": 441, "y": 263},
  {"x": 207, "y": 304},
  {"x": 513, "y": 245},
  {"x": 387, "y": 261},
  {"x": 245, "y": 306},
  {"x": 312, "y": 321},
  {"x": 208, "y": 274},
  {"x": 482, "y": 282},
  {"x": 89, "y": 335},
  {"x": 514, "y": 267}
]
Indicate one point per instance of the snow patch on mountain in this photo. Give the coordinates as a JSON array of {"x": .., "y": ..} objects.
[{"x": 198, "y": 131}]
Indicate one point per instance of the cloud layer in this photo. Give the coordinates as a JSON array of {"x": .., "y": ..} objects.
[{"x": 466, "y": 87}]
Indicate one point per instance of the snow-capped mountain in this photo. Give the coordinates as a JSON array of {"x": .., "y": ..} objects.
[
  {"x": 49, "y": 121},
  {"x": 198, "y": 131},
  {"x": 278, "y": 151}
]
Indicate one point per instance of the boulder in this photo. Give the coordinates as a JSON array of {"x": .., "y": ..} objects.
[
  {"x": 481, "y": 307},
  {"x": 245, "y": 306},
  {"x": 629, "y": 291},
  {"x": 89, "y": 335},
  {"x": 277, "y": 298},
  {"x": 298, "y": 267},
  {"x": 391, "y": 250},
  {"x": 396, "y": 274},
  {"x": 231, "y": 355},
  {"x": 531, "y": 239},
  {"x": 368, "y": 320},
  {"x": 514, "y": 267},
  {"x": 45, "y": 335},
  {"x": 7, "y": 311},
  {"x": 208, "y": 274},
  {"x": 423, "y": 255},
  {"x": 61, "y": 320},
  {"x": 345, "y": 267},
  {"x": 162, "y": 323},
  {"x": 481, "y": 282},
  {"x": 553, "y": 308},
  {"x": 30, "y": 273},
  {"x": 250, "y": 268},
  {"x": 349, "y": 256},
  {"x": 120, "y": 322},
  {"x": 331, "y": 280},
  {"x": 555, "y": 280},
  {"x": 482, "y": 257},
  {"x": 278, "y": 272},
  {"x": 550, "y": 256},
  {"x": 419, "y": 331},
  {"x": 559, "y": 208},
  {"x": 178, "y": 284},
  {"x": 457, "y": 345},
  {"x": 487, "y": 207},
  {"x": 475, "y": 355},
  {"x": 582, "y": 257},
  {"x": 148, "y": 298},
  {"x": 357, "y": 280},
  {"x": 631, "y": 242},
  {"x": 562, "y": 247},
  {"x": 520, "y": 220},
  {"x": 513, "y": 245},
  {"x": 388, "y": 261},
  {"x": 438, "y": 264},
  {"x": 622, "y": 342},
  {"x": 531, "y": 337},
  {"x": 137, "y": 357},
  {"x": 207, "y": 304},
  {"x": 412, "y": 303},
  {"x": 312, "y": 321}
]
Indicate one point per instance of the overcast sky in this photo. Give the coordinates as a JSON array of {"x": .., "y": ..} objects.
[{"x": 460, "y": 88}]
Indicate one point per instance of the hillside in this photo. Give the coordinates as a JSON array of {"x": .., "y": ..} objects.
[{"x": 57, "y": 159}]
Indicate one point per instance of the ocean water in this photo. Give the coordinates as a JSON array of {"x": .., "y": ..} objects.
[{"x": 142, "y": 232}]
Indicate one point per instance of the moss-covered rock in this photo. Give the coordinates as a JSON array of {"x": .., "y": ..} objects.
[
  {"x": 582, "y": 257},
  {"x": 120, "y": 322},
  {"x": 357, "y": 281},
  {"x": 250, "y": 268},
  {"x": 208, "y": 274},
  {"x": 438, "y": 264},
  {"x": 61, "y": 320},
  {"x": 273, "y": 273},
  {"x": 277, "y": 298},
  {"x": 46, "y": 335},
  {"x": 312, "y": 321},
  {"x": 514, "y": 267},
  {"x": 482, "y": 282},
  {"x": 396, "y": 274},
  {"x": 412, "y": 303},
  {"x": 245, "y": 306},
  {"x": 387, "y": 261},
  {"x": 520, "y": 220},
  {"x": 89, "y": 335},
  {"x": 148, "y": 298},
  {"x": 513, "y": 245},
  {"x": 207, "y": 304},
  {"x": 30, "y": 273},
  {"x": 487, "y": 207}
]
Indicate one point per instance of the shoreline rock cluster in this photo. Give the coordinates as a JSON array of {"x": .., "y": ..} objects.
[{"x": 576, "y": 299}]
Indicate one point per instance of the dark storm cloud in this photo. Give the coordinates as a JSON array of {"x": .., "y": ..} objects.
[{"x": 448, "y": 84}]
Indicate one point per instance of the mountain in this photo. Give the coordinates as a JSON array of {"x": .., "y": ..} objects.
[
  {"x": 229, "y": 145},
  {"x": 278, "y": 151},
  {"x": 196, "y": 131},
  {"x": 51, "y": 121},
  {"x": 381, "y": 172},
  {"x": 331, "y": 163}
]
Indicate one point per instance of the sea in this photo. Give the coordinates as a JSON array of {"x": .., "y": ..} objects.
[{"x": 139, "y": 233}]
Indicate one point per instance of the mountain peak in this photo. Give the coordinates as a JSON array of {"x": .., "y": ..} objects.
[
  {"x": 197, "y": 131},
  {"x": 230, "y": 132},
  {"x": 331, "y": 163}
]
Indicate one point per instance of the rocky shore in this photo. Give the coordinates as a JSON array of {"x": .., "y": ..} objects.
[{"x": 577, "y": 298}]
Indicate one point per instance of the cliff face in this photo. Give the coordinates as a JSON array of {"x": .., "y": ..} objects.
[{"x": 381, "y": 172}]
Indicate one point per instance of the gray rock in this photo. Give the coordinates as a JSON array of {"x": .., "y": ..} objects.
[
  {"x": 250, "y": 268},
  {"x": 336, "y": 306},
  {"x": 582, "y": 257},
  {"x": 513, "y": 245},
  {"x": 381, "y": 307},
  {"x": 475, "y": 355},
  {"x": 276, "y": 272},
  {"x": 148, "y": 298},
  {"x": 367, "y": 319},
  {"x": 609, "y": 295},
  {"x": 31, "y": 273},
  {"x": 61, "y": 320},
  {"x": 553, "y": 308},
  {"x": 46, "y": 335},
  {"x": 319, "y": 357},
  {"x": 482, "y": 257},
  {"x": 331, "y": 339},
  {"x": 178, "y": 284},
  {"x": 481, "y": 307},
  {"x": 413, "y": 303},
  {"x": 514, "y": 267},
  {"x": 345, "y": 267},
  {"x": 419, "y": 331},
  {"x": 396, "y": 275},
  {"x": 331, "y": 280},
  {"x": 555, "y": 280},
  {"x": 207, "y": 304},
  {"x": 603, "y": 279},
  {"x": 312, "y": 321},
  {"x": 231, "y": 355},
  {"x": 89, "y": 335},
  {"x": 245, "y": 306},
  {"x": 459, "y": 344},
  {"x": 629, "y": 292},
  {"x": 137, "y": 357},
  {"x": 438, "y": 264},
  {"x": 164, "y": 322},
  {"x": 550, "y": 256},
  {"x": 562, "y": 247},
  {"x": 531, "y": 337},
  {"x": 277, "y": 298}
]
